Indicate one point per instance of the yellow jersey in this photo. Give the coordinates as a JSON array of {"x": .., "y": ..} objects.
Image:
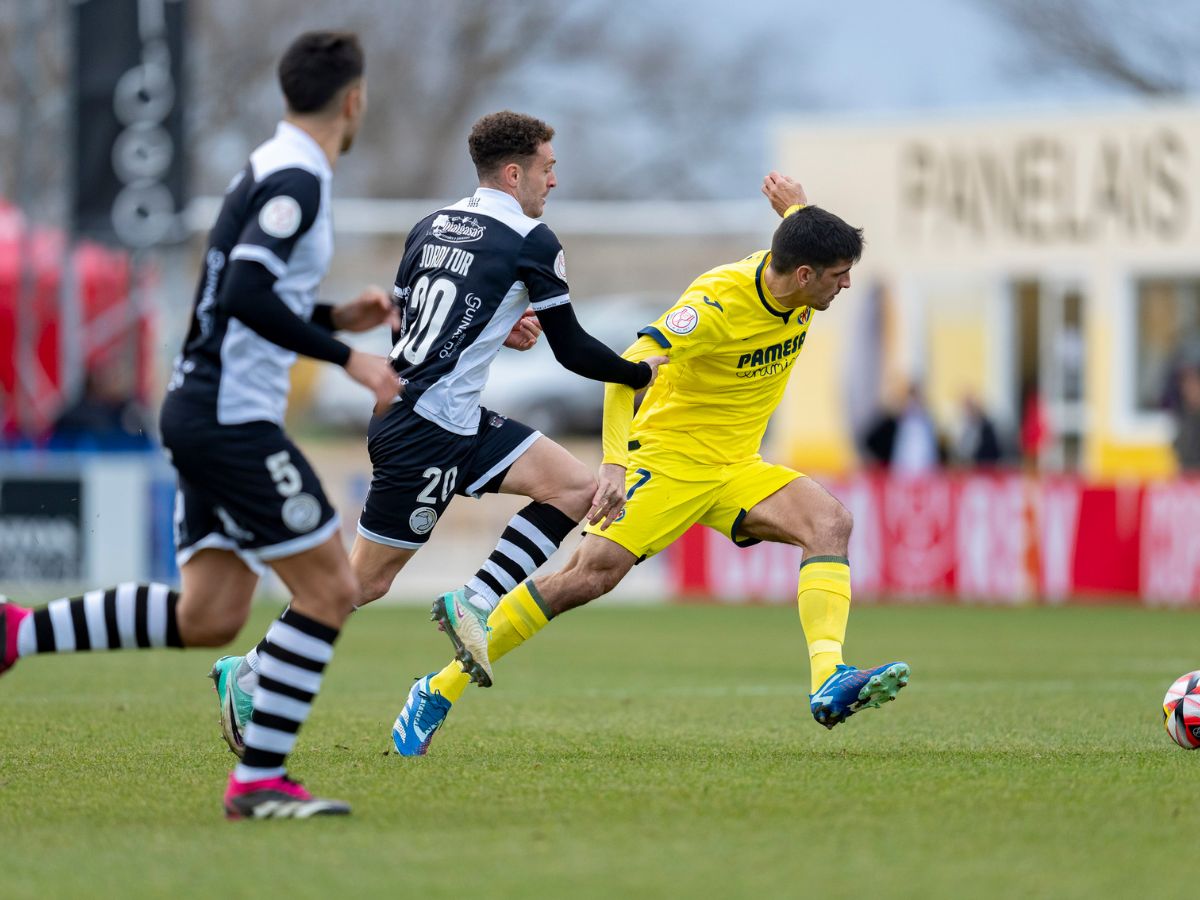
[{"x": 731, "y": 348}]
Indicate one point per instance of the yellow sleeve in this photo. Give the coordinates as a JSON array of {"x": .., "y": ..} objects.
[
  {"x": 618, "y": 405},
  {"x": 692, "y": 326}
]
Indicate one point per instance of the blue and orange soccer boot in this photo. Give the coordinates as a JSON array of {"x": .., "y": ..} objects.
[
  {"x": 423, "y": 714},
  {"x": 848, "y": 690},
  {"x": 467, "y": 628}
]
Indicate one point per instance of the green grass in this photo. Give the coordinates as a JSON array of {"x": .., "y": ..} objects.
[{"x": 633, "y": 753}]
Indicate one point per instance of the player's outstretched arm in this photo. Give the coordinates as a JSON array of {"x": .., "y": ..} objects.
[
  {"x": 579, "y": 352},
  {"x": 248, "y": 295},
  {"x": 783, "y": 192}
]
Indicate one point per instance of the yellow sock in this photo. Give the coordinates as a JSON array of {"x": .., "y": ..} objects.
[
  {"x": 519, "y": 616},
  {"x": 824, "y": 597}
]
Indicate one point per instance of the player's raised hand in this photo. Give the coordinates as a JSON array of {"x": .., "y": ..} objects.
[
  {"x": 783, "y": 191},
  {"x": 372, "y": 307},
  {"x": 376, "y": 374},
  {"x": 609, "y": 499},
  {"x": 654, "y": 362},
  {"x": 525, "y": 333}
]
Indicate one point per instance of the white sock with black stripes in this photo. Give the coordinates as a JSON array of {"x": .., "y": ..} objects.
[
  {"x": 531, "y": 537},
  {"x": 291, "y": 662},
  {"x": 127, "y": 617}
]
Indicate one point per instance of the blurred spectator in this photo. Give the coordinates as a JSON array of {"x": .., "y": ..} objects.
[
  {"x": 976, "y": 443},
  {"x": 105, "y": 417},
  {"x": 1187, "y": 421},
  {"x": 1035, "y": 425},
  {"x": 916, "y": 447},
  {"x": 1184, "y": 359},
  {"x": 880, "y": 437}
]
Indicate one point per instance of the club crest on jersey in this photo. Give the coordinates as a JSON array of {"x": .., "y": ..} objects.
[
  {"x": 683, "y": 320},
  {"x": 280, "y": 216},
  {"x": 805, "y": 315},
  {"x": 457, "y": 229},
  {"x": 422, "y": 520},
  {"x": 302, "y": 513},
  {"x": 560, "y": 265}
]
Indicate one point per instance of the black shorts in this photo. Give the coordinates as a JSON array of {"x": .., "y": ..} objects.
[
  {"x": 244, "y": 488},
  {"x": 418, "y": 467}
]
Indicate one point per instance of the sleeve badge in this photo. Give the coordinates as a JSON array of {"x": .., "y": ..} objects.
[
  {"x": 683, "y": 320},
  {"x": 280, "y": 216}
]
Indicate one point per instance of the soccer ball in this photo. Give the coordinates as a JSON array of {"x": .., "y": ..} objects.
[{"x": 1181, "y": 711}]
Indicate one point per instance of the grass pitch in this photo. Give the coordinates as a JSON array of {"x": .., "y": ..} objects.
[{"x": 633, "y": 753}]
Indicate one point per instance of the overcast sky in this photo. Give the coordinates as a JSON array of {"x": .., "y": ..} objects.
[
  {"x": 896, "y": 55},
  {"x": 890, "y": 59}
]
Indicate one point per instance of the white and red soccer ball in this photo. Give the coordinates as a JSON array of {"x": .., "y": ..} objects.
[{"x": 1181, "y": 707}]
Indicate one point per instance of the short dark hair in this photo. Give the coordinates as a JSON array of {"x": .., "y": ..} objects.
[
  {"x": 316, "y": 67},
  {"x": 503, "y": 137},
  {"x": 814, "y": 237}
]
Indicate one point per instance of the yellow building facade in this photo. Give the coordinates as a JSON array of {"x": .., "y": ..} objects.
[{"x": 1055, "y": 253}]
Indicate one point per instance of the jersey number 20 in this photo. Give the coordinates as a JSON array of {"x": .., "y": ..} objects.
[{"x": 427, "y": 311}]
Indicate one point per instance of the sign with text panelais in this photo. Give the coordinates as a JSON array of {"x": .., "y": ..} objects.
[
  {"x": 991, "y": 538},
  {"x": 1051, "y": 184},
  {"x": 1073, "y": 181}
]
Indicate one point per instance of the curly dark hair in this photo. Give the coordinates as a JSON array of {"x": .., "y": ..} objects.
[
  {"x": 503, "y": 137},
  {"x": 814, "y": 237}
]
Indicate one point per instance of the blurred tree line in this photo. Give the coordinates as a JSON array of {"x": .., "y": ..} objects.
[
  {"x": 1150, "y": 48},
  {"x": 644, "y": 106},
  {"x": 649, "y": 100}
]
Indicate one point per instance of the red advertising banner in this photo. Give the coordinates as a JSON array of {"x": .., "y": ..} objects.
[{"x": 1003, "y": 538}]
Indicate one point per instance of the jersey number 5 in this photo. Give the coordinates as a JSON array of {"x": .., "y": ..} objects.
[
  {"x": 427, "y": 312},
  {"x": 284, "y": 473}
]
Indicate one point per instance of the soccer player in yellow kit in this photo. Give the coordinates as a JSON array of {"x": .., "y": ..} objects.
[{"x": 691, "y": 454}]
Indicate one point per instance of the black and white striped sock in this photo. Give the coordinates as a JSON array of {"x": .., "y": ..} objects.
[
  {"x": 291, "y": 661},
  {"x": 531, "y": 536},
  {"x": 126, "y": 617}
]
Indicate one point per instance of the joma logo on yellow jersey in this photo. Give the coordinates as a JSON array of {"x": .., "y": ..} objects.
[{"x": 764, "y": 355}]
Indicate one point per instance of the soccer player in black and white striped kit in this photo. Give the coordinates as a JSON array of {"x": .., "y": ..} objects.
[
  {"x": 478, "y": 274},
  {"x": 247, "y": 498}
]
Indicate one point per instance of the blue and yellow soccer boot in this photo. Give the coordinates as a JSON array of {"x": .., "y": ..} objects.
[
  {"x": 468, "y": 630},
  {"x": 236, "y": 704},
  {"x": 423, "y": 714},
  {"x": 848, "y": 690}
]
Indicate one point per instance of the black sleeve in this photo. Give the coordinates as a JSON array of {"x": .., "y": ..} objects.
[
  {"x": 579, "y": 352},
  {"x": 248, "y": 294},
  {"x": 322, "y": 317},
  {"x": 542, "y": 267},
  {"x": 282, "y": 208}
]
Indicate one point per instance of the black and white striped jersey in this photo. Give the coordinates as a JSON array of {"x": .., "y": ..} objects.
[
  {"x": 276, "y": 213},
  {"x": 469, "y": 272}
]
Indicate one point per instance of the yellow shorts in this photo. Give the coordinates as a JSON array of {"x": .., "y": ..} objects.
[{"x": 660, "y": 507}]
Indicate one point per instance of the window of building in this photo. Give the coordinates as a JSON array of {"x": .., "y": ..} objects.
[
  {"x": 1167, "y": 338},
  {"x": 1049, "y": 369}
]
